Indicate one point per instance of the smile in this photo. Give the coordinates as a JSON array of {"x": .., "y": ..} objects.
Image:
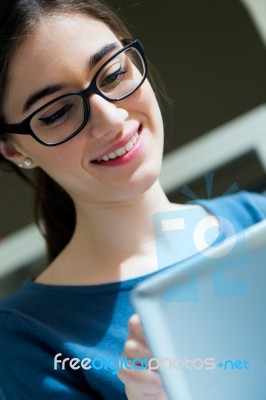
[{"x": 121, "y": 151}]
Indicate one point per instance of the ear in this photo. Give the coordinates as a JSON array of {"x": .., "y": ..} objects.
[{"x": 11, "y": 152}]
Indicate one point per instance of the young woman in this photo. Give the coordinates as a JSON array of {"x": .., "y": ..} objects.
[{"x": 77, "y": 106}]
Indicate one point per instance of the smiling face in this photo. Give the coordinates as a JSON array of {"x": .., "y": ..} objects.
[{"x": 118, "y": 153}]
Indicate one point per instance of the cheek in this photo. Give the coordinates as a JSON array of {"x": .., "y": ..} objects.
[
  {"x": 154, "y": 115},
  {"x": 60, "y": 159},
  {"x": 145, "y": 101},
  {"x": 152, "y": 104}
]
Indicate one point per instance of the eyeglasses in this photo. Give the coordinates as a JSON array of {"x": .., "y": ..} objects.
[{"x": 64, "y": 117}]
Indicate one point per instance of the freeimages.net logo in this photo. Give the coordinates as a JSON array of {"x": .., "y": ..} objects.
[{"x": 193, "y": 231}]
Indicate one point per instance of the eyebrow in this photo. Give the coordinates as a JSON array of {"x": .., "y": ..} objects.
[{"x": 93, "y": 60}]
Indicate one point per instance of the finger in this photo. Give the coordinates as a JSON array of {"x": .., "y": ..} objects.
[
  {"x": 140, "y": 377},
  {"x": 134, "y": 348},
  {"x": 135, "y": 329}
]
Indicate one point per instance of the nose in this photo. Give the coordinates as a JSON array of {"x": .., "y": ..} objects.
[{"x": 105, "y": 117}]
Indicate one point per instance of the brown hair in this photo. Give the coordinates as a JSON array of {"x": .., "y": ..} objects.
[{"x": 18, "y": 19}]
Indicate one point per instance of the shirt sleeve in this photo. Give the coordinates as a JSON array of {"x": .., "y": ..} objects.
[
  {"x": 27, "y": 366},
  {"x": 242, "y": 209}
]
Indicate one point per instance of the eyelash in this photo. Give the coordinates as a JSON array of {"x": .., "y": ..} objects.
[
  {"x": 119, "y": 73},
  {"x": 57, "y": 115}
]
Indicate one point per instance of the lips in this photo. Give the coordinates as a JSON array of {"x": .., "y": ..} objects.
[{"x": 121, "y": 148}]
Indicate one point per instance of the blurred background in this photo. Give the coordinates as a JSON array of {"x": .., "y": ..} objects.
[{"x": 211, "y": 56}]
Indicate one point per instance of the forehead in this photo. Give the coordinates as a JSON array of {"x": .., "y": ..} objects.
[{"x": 57, "y": 51}]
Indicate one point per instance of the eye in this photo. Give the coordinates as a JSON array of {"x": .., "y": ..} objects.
[
  {"x": 114, "y": 78},
  {"x": 57, "y": 116}
]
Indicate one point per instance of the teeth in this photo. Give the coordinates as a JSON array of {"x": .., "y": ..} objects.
[
  {"x": 122, "y": 150},
  {"x": 112, "y": 155},
  {"x": 129, "y": 146},
  {"x": 134, "y": 139}
]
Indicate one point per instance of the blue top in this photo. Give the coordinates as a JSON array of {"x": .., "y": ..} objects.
[{"x": 39, "y": 321}]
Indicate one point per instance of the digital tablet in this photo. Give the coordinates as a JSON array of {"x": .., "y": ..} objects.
[{"x": 205, "y": 321}]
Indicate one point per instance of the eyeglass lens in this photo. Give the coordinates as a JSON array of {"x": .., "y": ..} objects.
[{"x": 117, "y": 80}]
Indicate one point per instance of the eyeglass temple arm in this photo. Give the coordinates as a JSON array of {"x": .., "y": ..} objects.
[{"x": 12, "y": 128}]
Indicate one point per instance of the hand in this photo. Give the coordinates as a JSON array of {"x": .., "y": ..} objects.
[{"x": 140, "y": 384}]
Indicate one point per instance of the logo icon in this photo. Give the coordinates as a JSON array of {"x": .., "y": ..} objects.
[
  {"x": 192, "y": 230},
  {"x": 209, "y": 178}
]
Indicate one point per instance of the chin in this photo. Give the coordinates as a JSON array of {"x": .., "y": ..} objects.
[{"x": 142, "y": 181}]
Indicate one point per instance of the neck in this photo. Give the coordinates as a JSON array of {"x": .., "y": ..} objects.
[
  {"x": 111, "y": 235},
  {"x": 106, "y": 226}
]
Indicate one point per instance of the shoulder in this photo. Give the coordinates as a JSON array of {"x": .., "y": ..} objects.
[
  {"x": 18, "y": 330},
  {"x": 27, "y": 354},
  {"x": 243, "y": 209},
  {"x": 21, "y": 319},
  {"x": 14, "y": 302},
  {"x": 16, "y": 346}
]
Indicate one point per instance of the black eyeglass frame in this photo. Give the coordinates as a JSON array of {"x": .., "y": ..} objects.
[{"x": 24, "y": 128}]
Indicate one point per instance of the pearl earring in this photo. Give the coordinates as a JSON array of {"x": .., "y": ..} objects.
[{"x": 26, "y": 163}]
